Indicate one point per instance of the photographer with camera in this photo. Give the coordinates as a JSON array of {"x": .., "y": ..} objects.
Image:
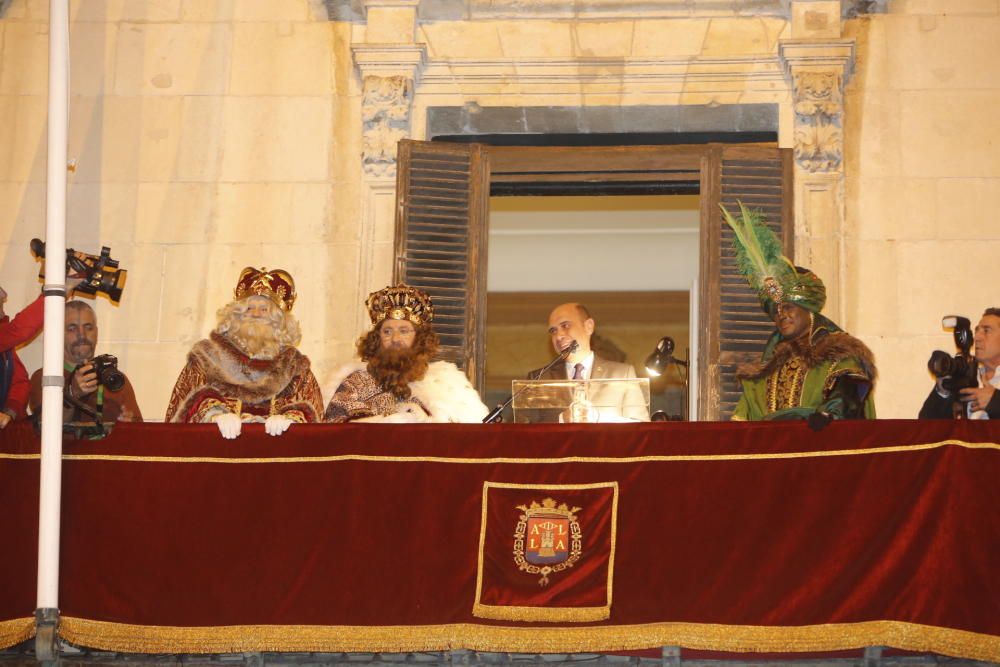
[
  {"x": 966, "y": 386},
  {"x": 96, "y": 391}
]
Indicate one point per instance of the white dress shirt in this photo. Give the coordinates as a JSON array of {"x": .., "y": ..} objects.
[
  {"x": 993, "y": 382},
  {"x": 588, "y": 366}
]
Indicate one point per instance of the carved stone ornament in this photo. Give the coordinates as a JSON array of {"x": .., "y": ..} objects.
[
  {"x": 819, "y": 146},
  {"x": 818, "y": 93},
  {"x": 385, "y": 114},
  {"x": 819, "y": 110}
]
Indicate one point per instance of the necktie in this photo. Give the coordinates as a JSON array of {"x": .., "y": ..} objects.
[{"x": 578, "y": 372}]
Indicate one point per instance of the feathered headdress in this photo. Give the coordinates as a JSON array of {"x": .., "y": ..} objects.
[{"x": 767, "y": 270}]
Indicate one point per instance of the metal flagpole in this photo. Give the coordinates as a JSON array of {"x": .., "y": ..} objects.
[{"x": 50, "y": 491}]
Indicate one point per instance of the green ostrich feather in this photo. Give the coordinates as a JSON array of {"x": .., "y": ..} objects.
[{"x": 758, "y": 249}]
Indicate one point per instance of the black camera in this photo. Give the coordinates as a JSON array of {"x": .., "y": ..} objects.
[
  {"x": 100, "y": 273},
  {"x": 960, "y": 371},
  {"x": 106, "y": 367}
]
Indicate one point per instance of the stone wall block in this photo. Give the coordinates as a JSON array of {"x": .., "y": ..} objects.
[
  {"x": 269, "y": 213},
  {"x": 152, "y": 368},
  {"x": 892, "y": 209},
  {"x": 25, "y": 66},
  {"x": 904, "y": 380},
  {"x": 669, "y": 37},
  {"x": 742, "y": 36},
  {"x": 872, "y": 277},
  {"x": 199, "y": 11},
  {"x": 603, "y": 39},
  {"x": 175, "y": 212},
  {"x": 134, "y": 319},
  {"x": 19, "y": 10},
  {"x": 197, "y": 138},
  {"x": 92, "y": 58},
  {"x": 99, "y": 214},
  {"x": 546, "y": 39},
  {"x": 933, "y": 288},
  {"x": 22, "y": 213},
  {"x": 177, "y": 59},
  {"x": 124, "y": 139},
  {"x": 937, "y": 144},
  {"x": 20, "y": 271},
  {"x": 872, "y": 64},
  {"x": 276, "y": 139},
  {"x": 873, "y": 138},
  {"x": 965, "y": 209},
  {"x": 345, "y": 150},
  {"x": 23, "y": 137},
  {"x": 816, "y": 20},
  {"x": 949, "y": 54},
  {"x": 110, "y": 11},
  {"x": 950, "y": 8},
  {"x": 273, "y": 10},
  {"x": 343, "y": 221},
  {"x": 390, "y": 24},
  {"x": 268, "y": 61}
]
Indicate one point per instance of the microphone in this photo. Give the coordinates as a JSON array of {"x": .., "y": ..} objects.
[
  {"x": 569, "y": 349},
  {"x": 494, "y": 416}
]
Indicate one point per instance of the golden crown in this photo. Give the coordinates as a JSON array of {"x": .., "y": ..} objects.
[
  {"x": 276, "y": 285},
  {"x": 401, "y": 302}
]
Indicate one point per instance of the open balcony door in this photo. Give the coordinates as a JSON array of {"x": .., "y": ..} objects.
[{"x": 442, "y": 219}]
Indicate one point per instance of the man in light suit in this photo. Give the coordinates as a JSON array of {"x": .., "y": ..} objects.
[{"x": 571, "y": 322}]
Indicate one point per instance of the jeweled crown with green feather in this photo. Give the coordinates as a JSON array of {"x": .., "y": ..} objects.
[{"x": 769, "y": 273}]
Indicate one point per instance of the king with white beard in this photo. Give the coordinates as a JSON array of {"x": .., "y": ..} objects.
[{"x": 249, "y": 369}]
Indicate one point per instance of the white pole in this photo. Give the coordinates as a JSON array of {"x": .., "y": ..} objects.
[{"x": 54, "y": 289}]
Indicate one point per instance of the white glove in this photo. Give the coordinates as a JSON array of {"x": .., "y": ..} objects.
[
  {"x": 229, "y": 425},
  {"x": 276, "y": 424}
]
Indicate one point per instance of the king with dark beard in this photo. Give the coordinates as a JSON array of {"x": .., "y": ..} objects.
[
  {"x": 397, "y": 380},
  {"x": 249, "y": 369}
]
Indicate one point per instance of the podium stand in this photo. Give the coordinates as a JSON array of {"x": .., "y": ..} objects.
[{"x": 599, "y": 401}]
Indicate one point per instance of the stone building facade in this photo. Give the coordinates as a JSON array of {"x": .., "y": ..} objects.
[{"x": 207, "y": 135}]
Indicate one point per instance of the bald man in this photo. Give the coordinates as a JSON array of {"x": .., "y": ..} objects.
[{"x": 571, "y": 322}]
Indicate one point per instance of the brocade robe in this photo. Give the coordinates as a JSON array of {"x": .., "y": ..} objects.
[
  {"x": 829, "y": 371},
  {"x": 443, "y": 395},
  {"x": 219, "y": 378}
]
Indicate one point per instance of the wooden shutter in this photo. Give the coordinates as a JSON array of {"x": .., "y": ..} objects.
[
  {"x": 735, "y": 328},
  {"x": 442, "y": 195}
]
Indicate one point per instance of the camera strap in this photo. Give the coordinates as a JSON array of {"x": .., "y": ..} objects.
[{"x": 99, "y": 402}]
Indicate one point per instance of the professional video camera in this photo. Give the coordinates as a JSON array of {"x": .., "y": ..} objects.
[
  {"x": 959, "y": 371},
  {"x": 99, "y": 273}
]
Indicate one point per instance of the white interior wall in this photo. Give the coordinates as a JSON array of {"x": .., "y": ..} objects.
[{"x": 602, "y": 243}]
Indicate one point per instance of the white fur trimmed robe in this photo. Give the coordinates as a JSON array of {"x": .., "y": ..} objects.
[{"x": 443, "y": 395}]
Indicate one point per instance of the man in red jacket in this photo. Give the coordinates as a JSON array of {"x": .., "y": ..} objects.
[{"x": 14, "y": 384}]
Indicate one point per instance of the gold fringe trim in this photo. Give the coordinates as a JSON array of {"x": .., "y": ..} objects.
[
  {"x": 572, "y": 639},
  {"x": 550, "y": 614},
  {"x": 500, "y": 459},
  {"x": 16, "y": 631}
]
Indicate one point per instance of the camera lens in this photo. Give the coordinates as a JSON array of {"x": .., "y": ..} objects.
[{"x": 940, "y": 363}]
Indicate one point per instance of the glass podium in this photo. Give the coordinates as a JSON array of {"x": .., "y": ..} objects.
[{"x": 599, "y": 401}]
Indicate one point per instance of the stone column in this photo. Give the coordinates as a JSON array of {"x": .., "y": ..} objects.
[
  {"x": 818, "y": 64},
  {"x": 389, "y": 61}
]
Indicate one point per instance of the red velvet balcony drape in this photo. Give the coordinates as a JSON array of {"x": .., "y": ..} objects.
[{"x": 730, "y": 537}]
